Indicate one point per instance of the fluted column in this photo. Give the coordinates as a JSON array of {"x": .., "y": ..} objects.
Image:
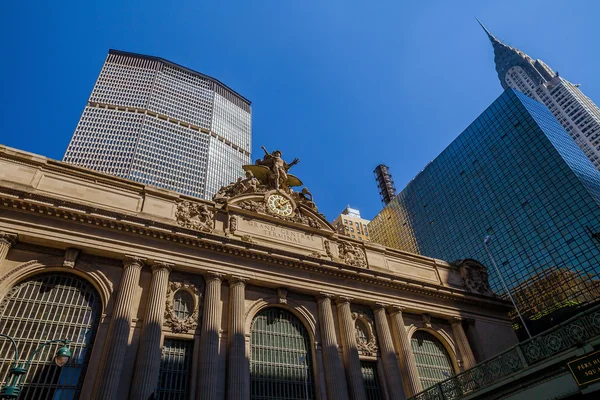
[
  {"x": 335, "y": 381},
  {"x": 145, "y": 377},
  {"x": 406, "y": 358},
  {"x": 354, "y": 376},
  {"x": 209, "y": 338},
  {"x": 468, "y": 359},
  {"x": 117, "y": 337},
  {"x": 391, "y": 370},
  {"x": 7, "y": 240},
  {"x": 238, "y": 370}
]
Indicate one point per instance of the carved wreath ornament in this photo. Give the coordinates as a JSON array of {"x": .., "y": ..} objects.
[
  {"x": 176, "y": 324},
  {"x": 195, "y": 216}
]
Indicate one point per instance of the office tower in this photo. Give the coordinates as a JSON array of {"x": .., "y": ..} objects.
[
  {"x": 162, "y": 124},
  {"x": 349, "y": 223},
  {"x": 514, "y": 174},
  {"x": 385, "y": 183},
  {"x": 575, "y": 111}
]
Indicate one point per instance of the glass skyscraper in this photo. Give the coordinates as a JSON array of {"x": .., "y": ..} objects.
[
  {"x": 514, "y": 174},
  {"x": 162, "y": 124}
]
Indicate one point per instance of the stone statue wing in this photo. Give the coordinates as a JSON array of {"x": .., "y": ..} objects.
[
  {"x": 259, "y": 171},
  {"x": 293, "y": 181}
]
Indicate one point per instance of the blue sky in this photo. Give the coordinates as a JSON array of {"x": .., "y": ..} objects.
[{"x": 343, "y": 85}]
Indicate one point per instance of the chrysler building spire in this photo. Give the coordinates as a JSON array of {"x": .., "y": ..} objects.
[{"x": 576, "y": 113}]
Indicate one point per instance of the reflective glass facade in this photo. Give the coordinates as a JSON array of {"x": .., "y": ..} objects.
[
  {"x": 161, "y": 124},
  {"x": 515, "y": 174}
]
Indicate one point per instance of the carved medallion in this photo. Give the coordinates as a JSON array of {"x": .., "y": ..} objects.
[
  {"x": 352, "y": 254},
  {"x": 365, "y": 334},
  {"x": 177, "y": 319}
]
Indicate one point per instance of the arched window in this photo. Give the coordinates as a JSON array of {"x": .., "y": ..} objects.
[
  {"x": 45, "y": 307},
  {"x": 183, "y": 304},
  {"x": 280, "y": 357},
  {"x": 433, "y": 361}
]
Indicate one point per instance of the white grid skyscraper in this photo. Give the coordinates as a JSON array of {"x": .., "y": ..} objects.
[
  {"x": 575, "y": 111},
  {"x": 162, "y": 124}
]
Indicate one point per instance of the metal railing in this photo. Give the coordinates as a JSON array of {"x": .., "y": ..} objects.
[{"x": 569, "y": 334}]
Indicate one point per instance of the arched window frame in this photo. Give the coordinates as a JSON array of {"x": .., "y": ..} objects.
[
  {"x": 301, "y": 312},
  {"x": 444, "y": 338}
]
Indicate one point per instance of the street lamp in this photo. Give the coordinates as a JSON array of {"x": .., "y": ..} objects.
[
  {"x": 12, "y": 388},
  {"x": 486, "y": 241}
]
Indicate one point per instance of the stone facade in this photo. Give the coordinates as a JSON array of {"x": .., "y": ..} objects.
[{"x": 139, "y": 245}]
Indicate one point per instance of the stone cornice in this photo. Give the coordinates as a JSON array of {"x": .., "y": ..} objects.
[{"x": 167, "y": 230}]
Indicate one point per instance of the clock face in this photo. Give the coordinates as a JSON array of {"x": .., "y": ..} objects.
[{"x": 280, "y": 205}]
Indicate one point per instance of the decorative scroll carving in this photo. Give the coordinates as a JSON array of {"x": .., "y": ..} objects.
[
  {"x": 367, "y": 346},
  {"x": 71, "y": 255},
  {"x": 474, "y": 276},
  {"x": 426, "y": 320},
  {"x": 8, "y": 239},
  {"x": 251, "y": 205},
  {"x": 352, "y": 254},
  {"x": 195, "y": 216},
  {"x": 191, "y": 322}
]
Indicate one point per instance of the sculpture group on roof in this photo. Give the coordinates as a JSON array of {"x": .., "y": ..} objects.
[{"x": 268, "y": 173}]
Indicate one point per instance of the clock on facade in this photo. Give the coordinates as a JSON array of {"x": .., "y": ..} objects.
[{"x": 280, "y": 205}]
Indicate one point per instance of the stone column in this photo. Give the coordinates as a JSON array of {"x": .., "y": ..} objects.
[
  {"x": 354, "y": 376},
  {"x": 209, "y": 338},
  {"x": 7, "y": 240},
  {"x": 145, "y": 375},
  {"x": 335, "y": 381},
  {"x": 468, "y": 359},
  {"x": 406, "y": 358},
  {"x": 238, "y": 369},
  {"x": 117, "y": 338},
  {"x": 393, "y": 377}
]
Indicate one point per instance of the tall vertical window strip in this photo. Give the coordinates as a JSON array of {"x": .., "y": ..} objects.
[
  {"x": 175, "y": 369},
  {"x": 369, "y": 373},
  {"x": 432, "y": 359},
  {"x": 43, "y": 308},
  {"x": 280, "y": 357}
]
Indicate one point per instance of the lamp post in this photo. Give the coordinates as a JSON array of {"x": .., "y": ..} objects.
[
  {"x": 12, "y": 388},
  {"x": 486, "y": 241}
]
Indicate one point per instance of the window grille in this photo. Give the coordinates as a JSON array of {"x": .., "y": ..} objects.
[
  {"x": 45, "y": 307},
  {"x": 280, "y": 357},
  {"x": 183, "y": 304},
  {"x": 433, "y": 361},
  {"x": 175, "y": 369},
  {"x": 369, "y": 373}
]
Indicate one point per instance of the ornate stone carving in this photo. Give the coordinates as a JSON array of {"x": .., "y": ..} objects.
[
  {"x": 247, "y": 239},
  {"x": 327, "y": 244},
  {"x": 366, "y": 342},
  {"x": 474, "y": 276},
  {"x": 232, "y": 224},
  {"x": 71, "y": 255},
  {"x": 8, "y": 239},
  {"x": 252, "y": 205},
  {"x": 352, "y": 254},
  {"x": 191, "y": 322},
  {"x": 195, "y": 216},
  {"x": 426, "y": 320},
  {"x": 282, "y": 295}
]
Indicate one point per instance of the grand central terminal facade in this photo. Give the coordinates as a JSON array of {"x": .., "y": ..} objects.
[{"x": 251, "y": 296}]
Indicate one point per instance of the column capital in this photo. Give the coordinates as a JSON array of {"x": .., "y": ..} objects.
[
  {"x": 8, "y": 238},
  {"x": 236, "y": 280},
  {"x": 133, "y": 261},
  {"x": 162, "y": 265},
  {"x": 395, "y": 310},
  {"x": 456, "y": 320},
  {"x": 323, "y": 296},
  {"x": 379, "y": 306},
  {"x": 210, "y": 276},
  {"x": 341, "y": 300}
]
